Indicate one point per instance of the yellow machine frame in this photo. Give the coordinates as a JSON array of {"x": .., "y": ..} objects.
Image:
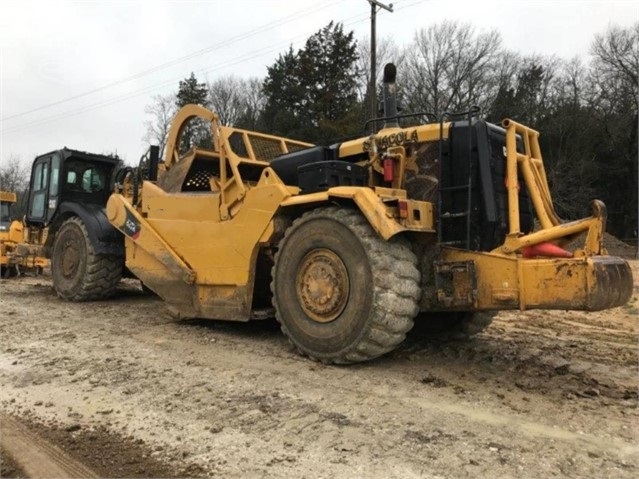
[
  {"x": 589, "y": 280},
  {"x": 9, "y": 240},
  {"x": 198, "y": 250}
]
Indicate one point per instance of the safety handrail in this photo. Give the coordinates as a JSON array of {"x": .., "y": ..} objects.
[{"x": 531, "y": 165}]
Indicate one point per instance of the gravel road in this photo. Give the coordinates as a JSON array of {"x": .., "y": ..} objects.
[{"x": 131, "y": 392}]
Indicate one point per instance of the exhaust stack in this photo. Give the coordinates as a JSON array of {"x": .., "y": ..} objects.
[{"x": 390, "y": 97}]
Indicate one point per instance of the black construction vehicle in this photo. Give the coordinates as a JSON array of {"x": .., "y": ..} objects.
[{"x": 66, "y": 222}]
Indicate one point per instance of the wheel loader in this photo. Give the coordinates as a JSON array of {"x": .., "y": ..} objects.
[
  {"x": 11, "y": 234},
  {"x": 66, "y": 223},
  {"x": 347, "y": 245},
  {"x": 7, "y": 200}
]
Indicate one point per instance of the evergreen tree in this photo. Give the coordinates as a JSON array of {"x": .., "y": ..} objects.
[
  {"x": 191, "y": 91},
  {"x": 327, "y": 67},
  {"x": 284, "y": 96},
  {"x": 196, "y": 133},
  {"x": 312, "y": 94},
  {"x": 526, "y": 100}
]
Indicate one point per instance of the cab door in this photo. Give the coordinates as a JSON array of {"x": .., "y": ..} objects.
[{"x": 43, "y": 193}]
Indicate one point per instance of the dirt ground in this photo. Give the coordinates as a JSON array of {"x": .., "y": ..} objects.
[{"x": 130, "y": 392}]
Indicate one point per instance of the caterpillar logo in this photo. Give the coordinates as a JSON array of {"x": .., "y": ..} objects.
[
  {"x": 131, "y": 226},
  {"x": 393, "y": 139}
]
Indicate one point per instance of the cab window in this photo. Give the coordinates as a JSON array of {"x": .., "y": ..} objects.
[
  {"x": 5, "y": 212},
  {"x": 40, "y": 180},
  {"x": 92, "y": 180}
]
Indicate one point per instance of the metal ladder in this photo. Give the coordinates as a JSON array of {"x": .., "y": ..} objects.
[{"x": 445, "y": 217}]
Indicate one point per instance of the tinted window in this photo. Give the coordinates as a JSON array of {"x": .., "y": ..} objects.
[
  {"x": 55, "y": 175},
  {"x": 40, "y": 185},
  {"x": 5, "y": 212},
  {"x": 40, "y": 176},
  {"x": 92, "y": 180}
]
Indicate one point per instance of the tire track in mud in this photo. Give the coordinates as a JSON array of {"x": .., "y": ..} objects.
[
  {"x": 365, "y": 381},
  {"x": 237, "y": 400},
  {"x": 37, "y": 457}
]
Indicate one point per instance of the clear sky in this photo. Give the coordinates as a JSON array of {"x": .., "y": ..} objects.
[{"x": 79, "y": 73}]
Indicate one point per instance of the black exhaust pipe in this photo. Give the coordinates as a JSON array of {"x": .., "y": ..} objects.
[
  {"x": 154, "y": 156},
  {"x": 390, "y": 96}
]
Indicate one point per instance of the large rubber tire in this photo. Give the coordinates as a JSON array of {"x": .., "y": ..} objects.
[
  {"x": 8, "y": 271},
  {"x": 453, "y": 325},
  {"x": 79, "y": 274},
  {"x": 341, "y": 293}
]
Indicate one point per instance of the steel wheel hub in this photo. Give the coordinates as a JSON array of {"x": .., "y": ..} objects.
[
  {"x": 322, "y": 285},
  {"x": 70, "y": 259}
]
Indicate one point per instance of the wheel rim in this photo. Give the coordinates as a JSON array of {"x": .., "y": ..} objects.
[
  {"x": 322, "y": 285},
  {"x": 70, "y": 260}
]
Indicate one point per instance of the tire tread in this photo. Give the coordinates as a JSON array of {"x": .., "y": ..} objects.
[
  {"x": 103, "y": 272},
  {"x": 396, "y": 279}
]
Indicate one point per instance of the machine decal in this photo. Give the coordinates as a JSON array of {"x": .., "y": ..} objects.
[
  {"x": 131, "y": 226},
  {"x": 393, "y": 139}
]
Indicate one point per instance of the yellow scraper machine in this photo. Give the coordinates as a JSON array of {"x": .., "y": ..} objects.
[{"x": 349, "y": 244}]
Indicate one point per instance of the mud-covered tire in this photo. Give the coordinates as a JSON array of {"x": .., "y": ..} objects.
[
  {"x": 453, "y": 325},
  {"x": 8, "y": 271},
  {"x": 79, "y": 274},
  {"x": 373, "y": 287}
]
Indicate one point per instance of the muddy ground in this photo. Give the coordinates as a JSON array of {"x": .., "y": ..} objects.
[{"x": 131, "y": 392}]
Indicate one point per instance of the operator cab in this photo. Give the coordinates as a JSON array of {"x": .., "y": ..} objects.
[
  {"x": 6, "y": 202},
  {"x": 83, "y": 181},
  {"x": 68, "y": 176}
]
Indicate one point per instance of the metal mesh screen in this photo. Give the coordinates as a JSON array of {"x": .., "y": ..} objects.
[
  {"x": 265, "y": 149},
  {"x": 198, "y": 180},
  {"x": 293, "y": 147},
  {"x": 236, "y": 141}
]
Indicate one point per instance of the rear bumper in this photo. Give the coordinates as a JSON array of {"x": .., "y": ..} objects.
[
  {"x": 590, "y": 284},
  {"x": 498, "y": 282}
]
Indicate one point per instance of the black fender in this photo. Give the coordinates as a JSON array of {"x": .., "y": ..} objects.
[{"x": 103, "y": 236}]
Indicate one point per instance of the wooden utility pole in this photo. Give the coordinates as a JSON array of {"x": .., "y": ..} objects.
[{"x": 375, "y": 5}]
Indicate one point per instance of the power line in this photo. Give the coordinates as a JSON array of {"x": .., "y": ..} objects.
[
  {"x": 148, "y": 89},
  {"x": 190, "y": 56},
  {"x": 355, "y": 19}
]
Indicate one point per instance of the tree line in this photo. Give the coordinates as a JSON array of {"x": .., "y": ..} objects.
[{"x": 585, "y": 109}]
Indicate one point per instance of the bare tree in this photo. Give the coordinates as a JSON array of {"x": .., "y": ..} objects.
[
  {"x": 237, "y": 102},
  {"x": 573, "y": 79},
  {"x": 14, "y": 177},
  {"x": 162, "y": 111},
  {"x": 569, "y": 137},
  {"x": 614, "y": 99},
  {"x": 538, "y": 88},
  {"x": 225, "y": 98},
  {"x": 616, "y": 62},
  {"x": 451, "y": 67},
  {"x": 253, "y": 102},
  {"x": 387, "y": 52}
]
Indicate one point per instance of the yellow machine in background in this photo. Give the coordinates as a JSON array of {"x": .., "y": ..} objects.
[
  {"x": 11, "y": 234},
  {"x": 349, "y": 244}
]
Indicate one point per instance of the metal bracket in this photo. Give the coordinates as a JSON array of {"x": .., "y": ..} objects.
[{"x": 456, "y": 283}]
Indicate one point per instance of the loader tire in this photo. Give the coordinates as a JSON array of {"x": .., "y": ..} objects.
[
  {"x": 8, "y": 271},
  {"x": 341, "y": 293},
  {"x": 79, "y": 274},
  {"x": 453, "y": 325}
]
